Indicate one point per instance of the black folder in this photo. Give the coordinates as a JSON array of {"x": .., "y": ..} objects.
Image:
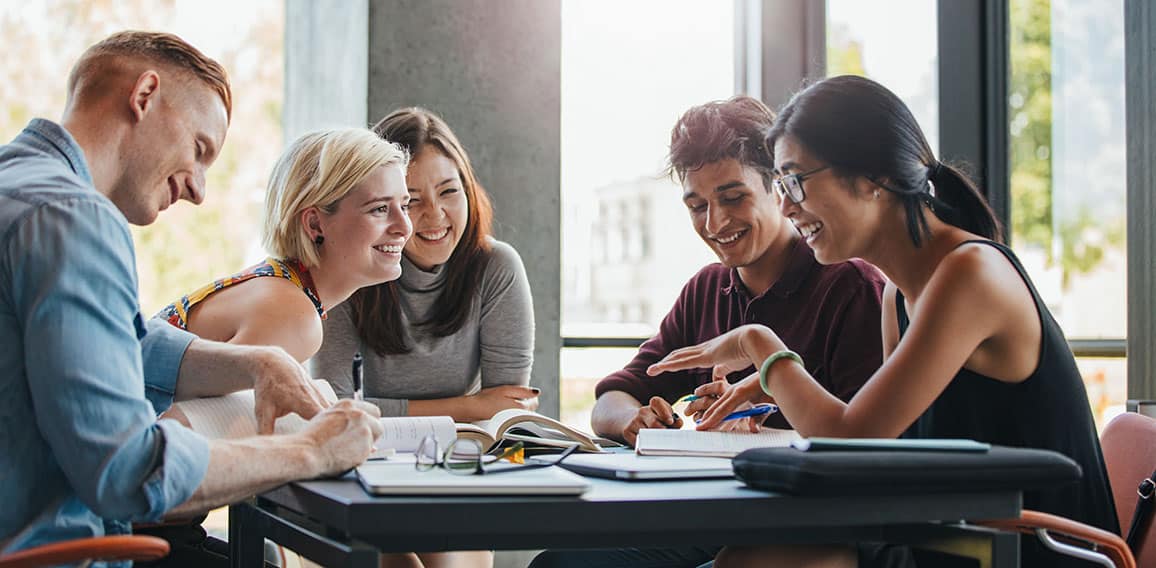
[{"x": 788, "y": 470}]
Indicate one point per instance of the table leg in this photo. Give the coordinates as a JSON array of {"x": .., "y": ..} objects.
[
  {"x": 246, "y": 543},
  {"x": 1005, "y": 550}
]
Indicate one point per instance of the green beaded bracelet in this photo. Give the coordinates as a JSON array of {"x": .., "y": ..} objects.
[{"x": 766, "y": 366}]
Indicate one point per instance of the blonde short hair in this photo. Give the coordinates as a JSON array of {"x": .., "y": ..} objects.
[{"x": 318, "y": 170}]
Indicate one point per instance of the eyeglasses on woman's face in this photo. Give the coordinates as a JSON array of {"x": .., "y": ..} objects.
[
  {"x": 791, "y": 186},
  {"x": 466, "y": 457}
]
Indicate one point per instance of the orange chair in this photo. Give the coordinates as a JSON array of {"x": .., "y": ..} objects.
[
  {"x": 86, "y": 550},
  {"x": 1129, "y": 444}
]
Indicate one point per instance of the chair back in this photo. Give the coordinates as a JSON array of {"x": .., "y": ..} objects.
[
  {"x": 1129, "y": 444},
  {"x": 82, "y": 551}
]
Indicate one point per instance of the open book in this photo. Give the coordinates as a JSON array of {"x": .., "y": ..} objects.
[
  {"x": 231, "y": 416},
  {"x": 661, "y": 442},
  {"x": 532, "y": 429}
]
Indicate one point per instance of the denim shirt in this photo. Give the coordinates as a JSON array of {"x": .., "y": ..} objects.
[{"x": 82, "y": 376}]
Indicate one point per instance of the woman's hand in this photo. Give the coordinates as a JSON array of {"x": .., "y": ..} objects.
[
  {"x": 490, "y": 401},
  {"x": 726, "y": 398},
  {"x": 735, "y": 350},
  {"x": 732, "y": 351}
]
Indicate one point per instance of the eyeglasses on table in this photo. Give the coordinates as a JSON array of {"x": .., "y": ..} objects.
[{"x": 465, "y": 456}]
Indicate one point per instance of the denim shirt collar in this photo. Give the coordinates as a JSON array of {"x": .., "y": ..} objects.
[{"x": 52, "y": 138}]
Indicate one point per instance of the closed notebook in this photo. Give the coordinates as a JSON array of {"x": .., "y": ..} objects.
[
  {"x": 630, "y": 466},
  {"x": 385, "y": 478},
  {"x": 662, "y": 442}
]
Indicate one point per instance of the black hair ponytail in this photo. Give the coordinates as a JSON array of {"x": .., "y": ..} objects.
[
  {"x": 860, "y": 128},
  {"x": 961, "y": 204}
]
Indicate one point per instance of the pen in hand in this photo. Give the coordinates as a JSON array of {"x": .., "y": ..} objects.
[
  {"x": 756, "y": 410},
  {"x": 357, "y": 375}
]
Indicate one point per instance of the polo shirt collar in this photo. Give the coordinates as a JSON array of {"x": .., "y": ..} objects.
[{"x": 800, "y": 263}]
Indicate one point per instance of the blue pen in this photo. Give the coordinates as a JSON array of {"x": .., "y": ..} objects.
[{"x": 756, "y": 410}]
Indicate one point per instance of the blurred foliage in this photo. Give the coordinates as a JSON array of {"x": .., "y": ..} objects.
[
  {"x": 1030, "y": 114},
  {"x": 844, "y": 54},
  {"x": 1077, "y": 240},
  {"x": 188, "y": 246}
]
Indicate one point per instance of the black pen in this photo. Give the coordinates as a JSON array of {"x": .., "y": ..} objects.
[{"x": 357, "y": 376}]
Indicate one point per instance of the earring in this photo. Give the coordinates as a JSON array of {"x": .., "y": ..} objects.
[
  {"x": 318, "y": 240},
  {"x": 877, "y": 194}
]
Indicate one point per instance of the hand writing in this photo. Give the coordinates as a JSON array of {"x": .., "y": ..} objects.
[
  {"x": 657, "y": 414},
  {"x": 343, "y": 435}
]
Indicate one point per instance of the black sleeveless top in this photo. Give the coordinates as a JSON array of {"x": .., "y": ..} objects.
[{"x": 1049, "y": 410}]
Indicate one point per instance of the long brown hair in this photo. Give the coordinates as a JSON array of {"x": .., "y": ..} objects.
[{"x": 377, "y": 309}]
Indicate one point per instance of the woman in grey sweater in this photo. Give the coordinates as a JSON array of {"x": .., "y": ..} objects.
[{"x": 455, "y": 334}]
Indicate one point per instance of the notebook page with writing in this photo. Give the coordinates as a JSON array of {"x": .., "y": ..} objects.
[
  {"x": 231, "y": 416},
  {"x": 661, "y": 442},
  {"x": 404, "y": 433}
]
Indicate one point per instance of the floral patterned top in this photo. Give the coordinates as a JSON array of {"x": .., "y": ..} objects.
[{"x": 177, "y": 313}]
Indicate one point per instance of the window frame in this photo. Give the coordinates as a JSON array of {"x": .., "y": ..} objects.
[
  {"x": 1139, "y": 88},
  {"x": 973, "y": 82}
]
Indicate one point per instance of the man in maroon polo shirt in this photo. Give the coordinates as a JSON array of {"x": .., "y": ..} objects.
[{"x": 766, "y": 274}]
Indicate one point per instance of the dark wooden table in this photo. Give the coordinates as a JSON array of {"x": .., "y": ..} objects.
[{"x": 336, "y": 523}]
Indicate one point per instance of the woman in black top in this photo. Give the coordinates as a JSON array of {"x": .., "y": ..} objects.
[{"x": 979, "y": 357}]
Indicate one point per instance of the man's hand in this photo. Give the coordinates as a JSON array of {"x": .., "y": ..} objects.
[
  {"x": 493, "y": 400},
  {"x": 658, "y": 414},
  {"x": 343, "y": 435},
  {"x": 334, "y": 441},
  {"x": 281, "y": 386}
]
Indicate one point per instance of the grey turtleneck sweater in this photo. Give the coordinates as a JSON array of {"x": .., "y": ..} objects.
[{"x": 494, "y": 347}]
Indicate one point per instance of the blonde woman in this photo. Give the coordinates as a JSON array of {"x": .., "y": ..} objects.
[
  {"x": 335, "y": 221},
  {"x": 455, "y": 334}
]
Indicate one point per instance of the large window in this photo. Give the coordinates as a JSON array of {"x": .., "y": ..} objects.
[
  {"x": 188, "y": 246},
  {"x": 629, "y": 70},
  {"x": 1068, "y": 187},
  {"x": 867, "y": 38},
  {"x": 1067, "y": 150}
]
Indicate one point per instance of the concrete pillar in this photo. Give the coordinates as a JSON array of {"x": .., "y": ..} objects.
[{"x": 326, "y": 59}]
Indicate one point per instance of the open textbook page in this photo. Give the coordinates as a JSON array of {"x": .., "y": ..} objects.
[
  {"x": 231, "y": 416},
  {"x": 532, "y": 429},
  {"x": 662, "y": 442}
]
